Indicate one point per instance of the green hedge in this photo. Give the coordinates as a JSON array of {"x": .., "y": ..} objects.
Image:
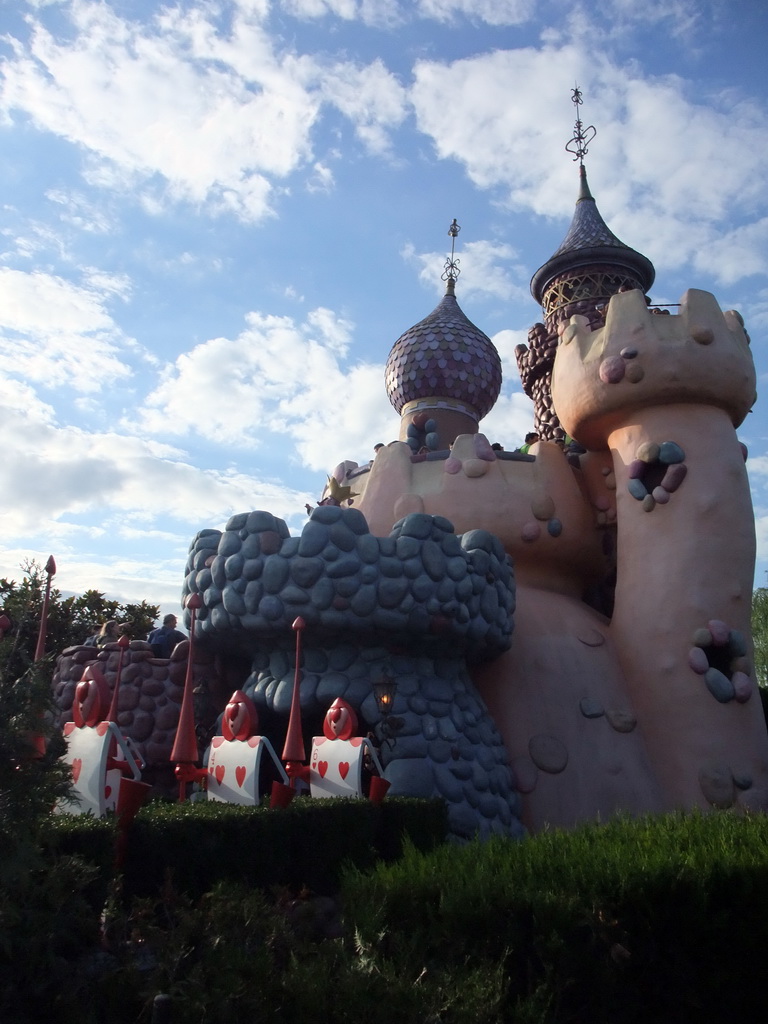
[
  {"x": 633, "y": 922},
  {"x": 50, "y": 908},
  {"x": 307, "y": 844},
  {"x": 656, "y": 921}
]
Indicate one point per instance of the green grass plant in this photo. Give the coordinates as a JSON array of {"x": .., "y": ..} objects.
[
  {"x": 653, "y": 921},
  {"x": 633, "y": 921}
]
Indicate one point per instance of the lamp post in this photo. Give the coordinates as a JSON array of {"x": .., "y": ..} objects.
[
  {"x": 50, "y": 569},
  {"x": 384, "y": 692},
  {"x": 185, "y": 752}
]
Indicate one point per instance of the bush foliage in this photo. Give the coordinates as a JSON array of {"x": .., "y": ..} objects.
[
  {"x": 324, "y": 913},
  {"x": 194, "y": 846},
  {"x": 657, "y": 920},
  {"x": 71, "y": 620}
]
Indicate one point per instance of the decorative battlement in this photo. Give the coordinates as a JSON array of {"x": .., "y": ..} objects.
[
  {"x": 422, "y": 586},
  {"x": 642, "y": 358}
]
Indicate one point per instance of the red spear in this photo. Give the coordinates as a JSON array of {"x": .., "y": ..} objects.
[
  {"x": 50, "y": 568},
  {"x": 293, "y": 751},
  {"x": 122, "y": 643},
  {"x": 185, "y": 752}
]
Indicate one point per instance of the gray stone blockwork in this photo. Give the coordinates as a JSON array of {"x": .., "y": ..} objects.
[{"x": 416, "y": 605}]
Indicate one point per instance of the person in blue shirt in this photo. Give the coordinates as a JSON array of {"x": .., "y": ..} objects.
[{"x": 165, "y": 637}]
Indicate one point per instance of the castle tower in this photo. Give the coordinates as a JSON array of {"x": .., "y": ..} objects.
[
  {"x": 443, "y": 375},
  {"x": 590, "y": 266}
]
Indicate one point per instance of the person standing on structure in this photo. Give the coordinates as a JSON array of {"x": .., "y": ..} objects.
[{"x": 163, "y": 639}]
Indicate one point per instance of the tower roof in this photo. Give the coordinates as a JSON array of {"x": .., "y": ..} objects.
[
  {"x": 590, "y": 241},
  {"x": 445, "y": 356}
]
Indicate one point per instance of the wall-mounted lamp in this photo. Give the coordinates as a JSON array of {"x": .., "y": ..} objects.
[{"x": 384, "y": 691}]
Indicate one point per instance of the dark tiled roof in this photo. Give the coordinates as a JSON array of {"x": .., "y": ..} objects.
[
  {"x": 588, "y": 229},
  {"x": 590, "y": 240},
  {"x": 444, "y": 355}
]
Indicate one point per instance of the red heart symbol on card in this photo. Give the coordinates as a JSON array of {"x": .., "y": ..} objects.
[
  {"x": 77, "y": 766},
  {"x": 240, "y": 774},
  {"x": 254, "y": 741},
  {"x": 69, "y": 728},
  {"x": 107, "y": 791},
  {"x": 217, "y": 741},
  {"x": 356, "y": 740},
  {"x": 219, "y": 773},
  {"x": 322, "y": 767},
  {"x": 101, "y": 728},
  {"x": 343, "y": 769}
]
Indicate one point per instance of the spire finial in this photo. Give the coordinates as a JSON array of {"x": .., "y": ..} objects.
[
  {"x": 451, "y": 271},
  {"x": 582, "y": 136}
]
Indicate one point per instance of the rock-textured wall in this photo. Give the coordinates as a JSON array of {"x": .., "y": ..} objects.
[
  {"x": 422, "y": 584},
  {"x": 415, "y": 606},
  {"x": 446, "y": 744},
  {"x": 151, "y": 690}
]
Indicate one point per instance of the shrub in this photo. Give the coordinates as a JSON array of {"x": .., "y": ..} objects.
[{"x": 305, "y": 845}]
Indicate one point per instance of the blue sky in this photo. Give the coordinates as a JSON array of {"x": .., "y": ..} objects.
[{"x": 217, "y": 217}]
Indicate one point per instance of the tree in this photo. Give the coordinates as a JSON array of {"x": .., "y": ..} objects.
[
  {"x": 142, "y": 617},
  {"x": 46, "y": 921},
  {"x": 70, "y": 620},
  {"x": 760, "y": 634}
]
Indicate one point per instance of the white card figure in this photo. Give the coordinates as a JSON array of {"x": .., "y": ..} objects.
[
  {"x": 234, "y": 767},
  {"x": 338, "y": 758},
  {"x": 234, "y": 759},
  {"x": 96, "y": 786},
  {"x": 92, "y": 746}
]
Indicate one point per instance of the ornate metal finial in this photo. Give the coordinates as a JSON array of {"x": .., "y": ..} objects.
[
  {"x": 451, "y": 271},
  {"x": 582, "y": 136}
]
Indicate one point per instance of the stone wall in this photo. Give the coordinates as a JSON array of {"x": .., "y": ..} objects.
[
  {"x": 414, "y": 606},
  {"x": 151, "y": 690}
]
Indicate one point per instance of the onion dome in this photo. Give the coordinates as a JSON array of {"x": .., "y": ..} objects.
[
  {"x": 447, "y": 357},
  {"x": 590, "y": 243}
]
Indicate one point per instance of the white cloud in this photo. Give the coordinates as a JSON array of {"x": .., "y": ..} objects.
[
  {"x": 181, "y": 109},
  {"x": 619, "y": 20},
  {"x": 321, "y": 179},
  {"x": 378, "y": 13},
  {"x": 278, "y": 377},
  {"x": 156, "y": 582},
  {"x": 105, "y": 284},
  {"x": 33, "y": 240},
  {"x": 80, "y": 212},
  {"x": 390, "y": 13},
  {"x": 755, "y": 309},
  {"x": 371, "y": 97},
  {"x": 657, "y": 170},
  {"x": 343, "y": 413},
  {"x": 165, "y": 104},
  {"x": 509, "y": 420},
  {"x": 492, "y": 12},
  {"x": 347, "y": 9},
  {"x": 56, "y": 333},
  {"x": 736, "y": 254},
  {"x": 486, "y": 269},
  {"x": 58, "y": 475},
  {"x": 488, "y": 126},
  {"x": 506, "y": 341},
  {"x": 758, "y": 465}
]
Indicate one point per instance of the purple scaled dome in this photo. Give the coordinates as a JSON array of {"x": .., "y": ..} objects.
[{"x": 444, "y": 356}]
